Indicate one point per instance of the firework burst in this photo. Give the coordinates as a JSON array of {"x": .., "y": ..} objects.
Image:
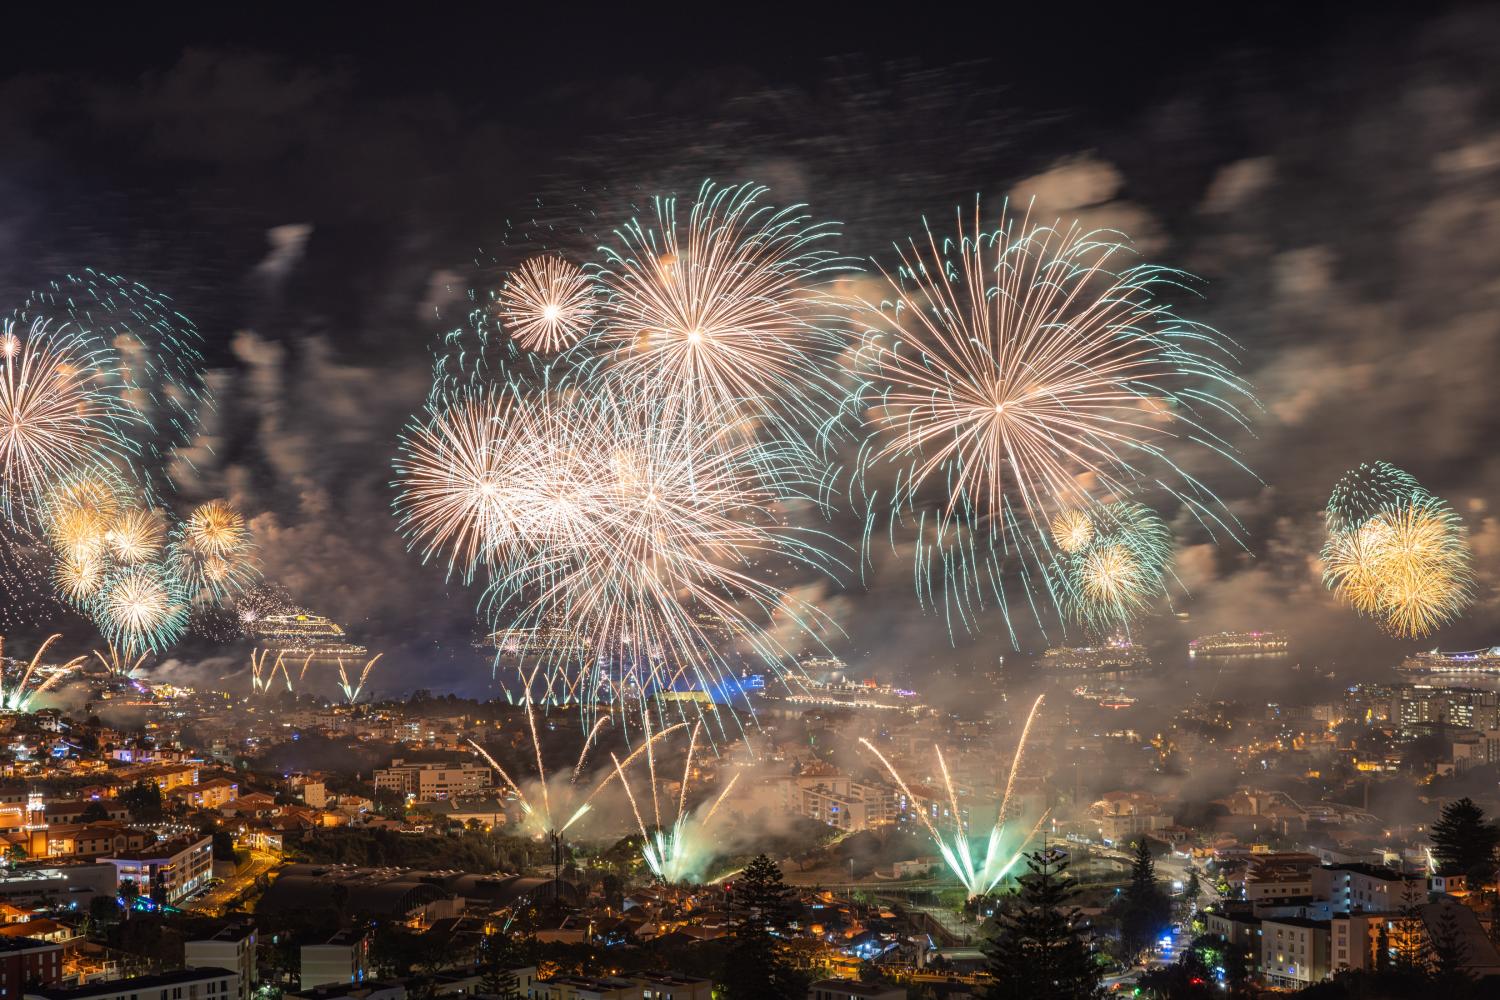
[
  {"x": 1120, "y": 574},
  {"x": 80, "y": 511},
  {"x": 982, "y": 870},
  {"x": 136, "y": 536},
  {"x": 1027, "y": 368},
  {"x": 724, "y": 311},
  {"x": 460, "y": 495},
  {"x": 144, "y": 359},
  {"x": 213, "y": 552},
  {"x": 56, "y": 413},
  {"x": 1072, "y": 530},
  {"x": 650, "y": 536},
  {"x": 1396, "y": 552},
  {"x": 141, "y": 608},
  {"x": 547, "y": 303}
]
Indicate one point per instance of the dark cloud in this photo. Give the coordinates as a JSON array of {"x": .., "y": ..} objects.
[{"x": 318, "y": 216}]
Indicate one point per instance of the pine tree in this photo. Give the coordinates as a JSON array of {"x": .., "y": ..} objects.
[
  {"x": 1039, "y": 952},
  {"x": 1144, "y": 909},
  {"x": 1450, "y": 954},
  {"x": 756, "y": 967},
  {"x": 498, "y": 955},
  {"x": 1463, "y": 842}
]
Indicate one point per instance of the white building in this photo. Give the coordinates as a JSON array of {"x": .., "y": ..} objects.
[
  {"x": 430, "y": 782},
  {"x": 169, "y": 871},
  {"x": 1364, "y": 888},
  {"x": 231, "y": 948},
  {"x": 187, "y": 984},
  {"x": 343, "y": 958}
]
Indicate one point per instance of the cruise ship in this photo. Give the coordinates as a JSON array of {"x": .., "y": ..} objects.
[
  {"x": 1477, "y": 661},
  {"x": 1114, "y": 657},
  {"x": 542, "y": 641},
  {"x": 1239, "y": 644},
  {"x": 300, "y": 633}
]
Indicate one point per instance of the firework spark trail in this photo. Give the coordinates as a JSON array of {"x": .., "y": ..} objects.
[
  {"x": 353, "y": 689},
  {"x": 673, "y": 851},
  {"x": 257, "y": 667},
  {"x": 1028, "y": 370},
  {"x": 18, "y": 697},
  {"x": 997, "y": 858},
  {"x": 120, "y": 664},
  {"x": 588, "y": 741},
  {"x": 544, "y": 817}
]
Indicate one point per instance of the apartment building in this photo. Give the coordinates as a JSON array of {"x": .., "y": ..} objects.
[{"x": 430, "y": 782}]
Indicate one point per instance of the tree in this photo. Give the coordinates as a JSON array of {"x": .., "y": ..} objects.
[
  {"x": 498, "y": 955},
  {"x": 143, "y": 799},
  {"x": 94, "y": 812},
  {"x": 756, "y": 967},
  {"x": 1039, "y": 952},
  {"x": 1144, "y": 909},
  {"x": 1450, "y": 954},
  {"x": 103, "y": 911},
  {"x": 1463, "y": 842}
]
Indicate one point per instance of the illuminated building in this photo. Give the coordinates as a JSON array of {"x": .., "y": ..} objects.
[
  {"x": 1239, "y": 644},
  {"x": 1295, "y": 951},
  {"x": 300, "y": 634},
  {"x": 168, "y": 871},
  {"x": 430, "y": 782},
  {"x": 1478, "y": 661},
  {"x": 1415, "y": 708}
]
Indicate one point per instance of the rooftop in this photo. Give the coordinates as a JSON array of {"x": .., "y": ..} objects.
[
  {"x": 118, "y": 986},
  {"x": 852, "y": 987}
]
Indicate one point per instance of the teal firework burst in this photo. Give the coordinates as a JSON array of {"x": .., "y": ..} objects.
[
  {"x": 141, "y": 609},
  {"x": 1018, "y": 373},
  {"x": 144, "y": 357}
]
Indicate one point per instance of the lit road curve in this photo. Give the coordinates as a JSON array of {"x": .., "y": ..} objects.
[{"x": 214, "y": 901}]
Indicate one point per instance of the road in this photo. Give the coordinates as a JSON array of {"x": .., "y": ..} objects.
[{"x": 214, "y": 901}]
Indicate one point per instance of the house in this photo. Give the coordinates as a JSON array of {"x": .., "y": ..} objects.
[
  {"x": 212, "y": 794},
  {"x": 853, "y": 989},
  {"x": 250, "y": 804}
]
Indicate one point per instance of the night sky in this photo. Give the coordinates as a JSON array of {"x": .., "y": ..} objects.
[{"x": 320, "y": 193}]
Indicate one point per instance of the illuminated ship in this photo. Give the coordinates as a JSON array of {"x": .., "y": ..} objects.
[
  {"x": 1239, "y": 644},
  {"x": 1477, "y": 661},
  {"x": 300, "y": 634},
  {"x": 1115, "y": 656},
  {"x": 1109, "y": 696},
  {"x": 543, "y": 640}
]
